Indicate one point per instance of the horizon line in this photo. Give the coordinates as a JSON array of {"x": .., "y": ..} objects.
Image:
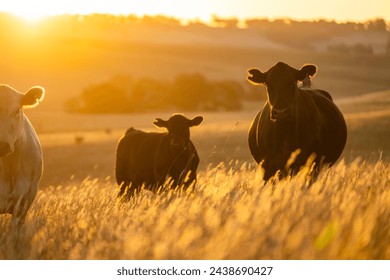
[{"x": 200, "y": 19}]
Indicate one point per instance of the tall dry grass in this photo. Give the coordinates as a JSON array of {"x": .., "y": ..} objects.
[{"x": 230, "y": 215}]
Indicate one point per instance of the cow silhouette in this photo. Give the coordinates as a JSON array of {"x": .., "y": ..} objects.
[
  {"x": 296, "y": 125},
  {"x": 151, "y": 159}
]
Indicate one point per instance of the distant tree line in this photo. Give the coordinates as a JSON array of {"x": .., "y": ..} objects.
[
  {"x": 187, "y": 92},
  {"x": 288, "y": 32},
  {"x": 303, "y": 34},
  {"x": 106, "y": 23}
]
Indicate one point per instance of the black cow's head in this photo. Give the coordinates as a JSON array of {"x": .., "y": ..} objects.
[
  {"x": 281, "y": 81},
  {"x": 178, "y": 129}
]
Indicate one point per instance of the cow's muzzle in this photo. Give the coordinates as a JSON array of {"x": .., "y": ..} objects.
[
  {"x": 5, "y": 148},
  {"x": 279, "y": 114}
]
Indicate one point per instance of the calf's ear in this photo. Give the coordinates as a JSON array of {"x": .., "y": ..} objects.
[
  {"x": 33, "y": 96},
  {"x": 307, "y": 70},
  {"x": 255, "y": 76},
  {"x": 196, "y": 121},
  {"x": 160, "y": 123}
]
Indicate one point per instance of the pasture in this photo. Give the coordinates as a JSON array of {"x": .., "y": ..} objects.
[{"x": 230, "y": 214}]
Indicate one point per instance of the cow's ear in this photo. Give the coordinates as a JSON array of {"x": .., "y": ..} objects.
[
  {"x": 255, "y": 76},
  {"x": 33, "y": 96},
  {"x": 160, "y": 123},
  {"x": 196, "y": 121},
  {"x": 307, "y": 70}
]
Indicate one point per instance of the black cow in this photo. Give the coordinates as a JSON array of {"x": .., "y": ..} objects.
[
  {"x": 149, "y": 159},
  {"x": 296, "y": 124}
]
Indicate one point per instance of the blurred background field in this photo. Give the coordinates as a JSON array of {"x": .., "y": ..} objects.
[{"x": 70, "y": 54}]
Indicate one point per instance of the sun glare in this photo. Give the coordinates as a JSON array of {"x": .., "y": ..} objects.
[
  {"x": 28, "y": 11},
  {"x": 30, "y": 16}
]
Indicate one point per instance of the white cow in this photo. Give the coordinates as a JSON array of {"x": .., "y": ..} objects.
[{"x": 21, "y": 163}]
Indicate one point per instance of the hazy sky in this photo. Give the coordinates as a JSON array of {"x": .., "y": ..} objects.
[{"x": 340, "y": 10}]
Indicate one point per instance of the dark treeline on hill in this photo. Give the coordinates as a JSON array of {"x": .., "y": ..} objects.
[
  {"x": 109, "y": 21},
  {"x": 119, "y": 27},
  {"x": 106, "y": 30},
  {"x": 297, "y": 33},
  {"x": 186, "y": 92}
]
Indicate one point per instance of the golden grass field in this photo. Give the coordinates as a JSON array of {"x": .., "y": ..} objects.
[{"x": 230, "y": 214}]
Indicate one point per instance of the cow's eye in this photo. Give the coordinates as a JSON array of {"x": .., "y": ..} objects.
[{"x": 16, "y": 113}]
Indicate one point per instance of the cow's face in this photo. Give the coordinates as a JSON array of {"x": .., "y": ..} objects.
[
  {"x": 11, "y": 114},
  {"x": 281, "y": 81},
  {"x": 178, "y": 129}
]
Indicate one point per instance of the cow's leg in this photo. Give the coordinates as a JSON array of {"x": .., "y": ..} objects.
[
  {"x": 267, "y": 170},
  {"x": 19, "y": 212},
  {"x": 191, "y": 182},
  {"x": 318, "y": 165},
  {"x": 20, "y": 200},
  {"x": 128, "y": 190},
  {"x": 123, "y": 189},
  {"x": 309, "y": 163}
]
